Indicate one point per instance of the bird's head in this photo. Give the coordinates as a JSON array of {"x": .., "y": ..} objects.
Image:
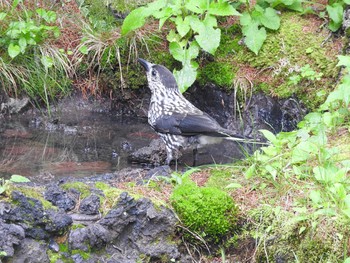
[{"x": 160, "y": 79}]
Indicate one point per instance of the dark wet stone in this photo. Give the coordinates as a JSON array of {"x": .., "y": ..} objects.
[
  {"x": 163, "y": 170},
  {"x": 131, "y": 229},
  {"x": 31, "y": 251},
  {"x": 59, "y": 198},
  {"x": 90, "y": 205},
  {"x": 11, "y": 235},
  {"x": 154, "y": 154},
  {"x": 37, "y": 222}
]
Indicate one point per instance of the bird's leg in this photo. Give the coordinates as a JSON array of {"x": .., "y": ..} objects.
[{"x": 195, "y": 155}]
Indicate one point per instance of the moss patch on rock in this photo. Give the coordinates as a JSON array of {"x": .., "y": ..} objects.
[{"x": 208, "y": 211}]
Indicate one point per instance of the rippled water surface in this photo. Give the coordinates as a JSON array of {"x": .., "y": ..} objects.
[{"x": 74, "y": 145}]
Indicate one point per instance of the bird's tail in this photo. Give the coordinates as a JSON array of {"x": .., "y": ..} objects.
[{"x": 228, "y": 135}]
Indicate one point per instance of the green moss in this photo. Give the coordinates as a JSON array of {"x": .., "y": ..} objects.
[
  {"x": 36, "y": 193},
  {"x": 77, "y": 226},
  {"x": 280, "y": 238},
  {"x": 218, "y": 73},
  {"x": 207, "y": 211},
  {"x": 219, "y": 178},
  {"x": 83, "y": 254},
  {"x": 111, "y": 196},
  {"x": 82, "y": 188}
]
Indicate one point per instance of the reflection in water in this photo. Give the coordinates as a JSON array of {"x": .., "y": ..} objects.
[{"x": 84, "y": 145}]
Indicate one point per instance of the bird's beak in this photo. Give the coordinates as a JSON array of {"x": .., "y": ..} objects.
[{"x": 147, "y": 65}]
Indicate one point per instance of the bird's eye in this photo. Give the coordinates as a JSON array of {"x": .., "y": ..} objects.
[{"x": 154, "y": 73}]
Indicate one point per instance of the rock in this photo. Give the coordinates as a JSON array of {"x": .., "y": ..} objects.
[
  {"x": 11, "y": 234},
  {"x": 37, "y": 222},
  {"x": 154, "y": 154},
  {"x": 59, "y": 198},
  {"x": 31, "y": 251},
  {"x": 90, "y": 205},
  {"x": 133, "y": 228},
  {"x": 14, "y": 106}
]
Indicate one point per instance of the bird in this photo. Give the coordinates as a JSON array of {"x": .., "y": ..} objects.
[{"x": 179, "y": 123}]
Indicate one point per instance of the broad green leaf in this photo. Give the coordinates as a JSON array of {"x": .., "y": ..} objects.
[
  {"x": 194, "y": 23},
  {"x": 245, "y": 19},
  {"x": 254, "y": 37},
  {"x": 344, "y": 61},
  {"x": 250, "y": 171},
  {"x": 185, "y": 77},
  {"x": 269, "y": 135},
  {"x": 13, "y": 50},
  {"x": 22, "y": 42},
  {"x": 222, "y": 8},
  {"x": 2, "y": 15},
  {"x": 270, "y": 19},
  {"x": 182, "y": 26},
  {"x": 134, "y": 20},
  {"x": 19, "y": 179},
  {"x": 335, "y": 13},
  {"x": 2, "y": 189},
  {"x": 315, "y": 196},
  {"x": 209, "y": 39},
  {"x": 84, "y": 50},
  {"x": 47, "y": 62},
  {"x": 197, "y": 6},
  {"x": 348, "y": 3},
  {"x": 176, "y": 51}
]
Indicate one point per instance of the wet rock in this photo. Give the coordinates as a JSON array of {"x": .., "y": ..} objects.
[
  {"x": 11, "y": 234},
  {"x": 90, "y": 205},
  {"x": 14, "y": 106},
  {"x": 265, "y": 112},
  {"x": 59, "y": 198},
  {"x": 37, "y": 222},
  {"x": 131, "y": 229},
  {"x": 96, "y": 236},
  {"x": 154, "y": 154},
  {"x": 31, "y": 251}
]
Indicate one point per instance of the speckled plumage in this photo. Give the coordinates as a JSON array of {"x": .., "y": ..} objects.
[{"x": 178, "y": 122}]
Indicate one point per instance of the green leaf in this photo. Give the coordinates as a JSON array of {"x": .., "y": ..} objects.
[
  {"x": 134, "y": 20},
  {"x": 47, "y": 62},
  {"x": 254, "y": 37},
  {"x": 185, "y": 77},
  {"x": 84, "y": 50},
  {"x": 250, "y": 171},
  {"x": 19, "y": 179},
  {"x": 315, "y": 196},
  {"x": 13, "y": 50},
  {"x": 182, "y": 26},
  {"x": 335, "y": 13},
  {"x": 344, "y": 61},
  {"x": 245, "y": 19},
  {"x": 208, "y": 38},
  {"x": 22, "y": 42},
  {"x": 2, "y": 189},
  {"x": 222, "y": 8},
  {"x": 2, "y": 15},
  {"x": 270, "y": 19},
  {"x": 269, "y": 135},
  {"x": 197, "y": 6}
]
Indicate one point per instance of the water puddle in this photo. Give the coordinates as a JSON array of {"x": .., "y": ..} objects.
[{"x": 85, "y": 144}]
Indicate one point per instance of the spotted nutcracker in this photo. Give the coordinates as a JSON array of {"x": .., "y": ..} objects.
[{"x": 179, "y": 123}]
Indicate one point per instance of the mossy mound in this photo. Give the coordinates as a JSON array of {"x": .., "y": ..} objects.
[
  {"x": 298, "y": 42},
  {"x": 207, "y": 211}
]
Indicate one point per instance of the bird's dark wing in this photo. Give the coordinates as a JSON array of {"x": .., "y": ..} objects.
[{"x": 189, "y": 124}]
